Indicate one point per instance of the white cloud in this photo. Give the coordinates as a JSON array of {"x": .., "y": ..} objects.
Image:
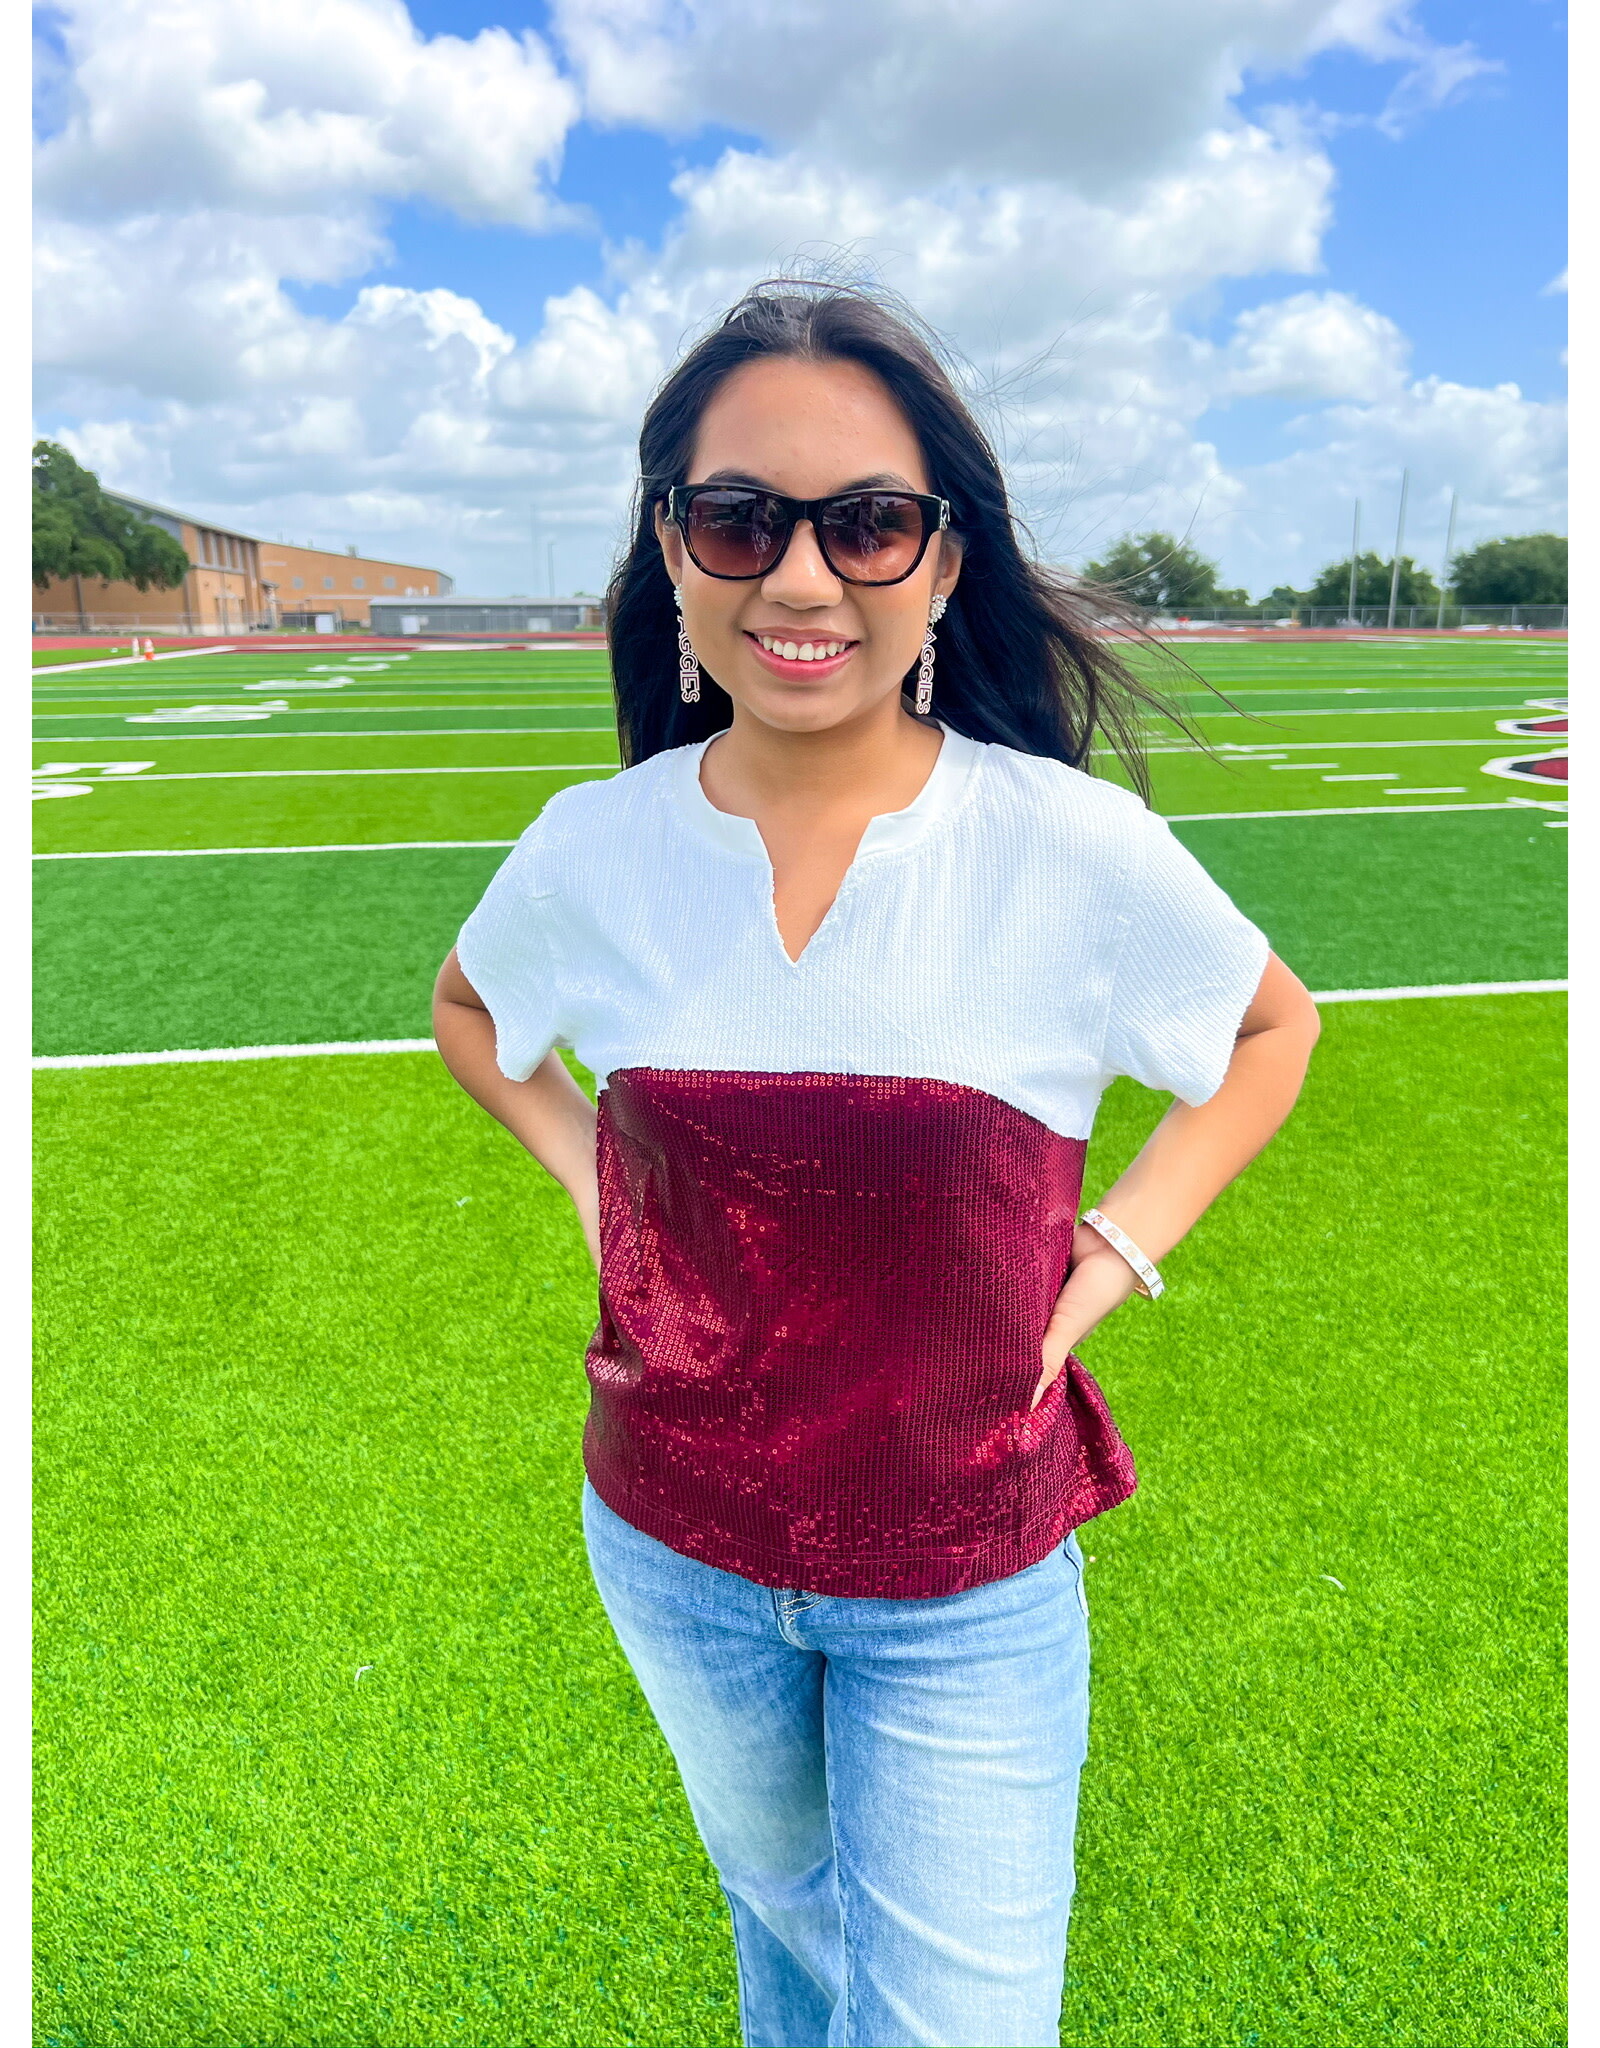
[
  {"x": 187, "y": 307},
  {"x": 308, "y": 104},
  {"x": 1314, "y": 345},
  {"x": 1503, "y": 453},
  {"x": 929, "y": 89}
]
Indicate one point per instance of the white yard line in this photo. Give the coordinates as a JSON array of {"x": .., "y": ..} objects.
[
  {"x": 402, "y": 732},
  {"x": 219, "y": 852},
  {"x": 186, "y": 1056},
  {"x": 1350, "y": 711},
  {"x": 343, "y": 709},
  {"x": 424, "y": 845},
  {"x": 1345, "y": 811},
  {"x": 1230, "y": 751},
  {"x": 1246, "y": 751},
  {"x": 278, "y": 774}
]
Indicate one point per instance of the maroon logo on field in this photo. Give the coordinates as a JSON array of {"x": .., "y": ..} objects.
[
  {"x": 1553, "y": 727},
  {"x": 1548, "y": 767}
]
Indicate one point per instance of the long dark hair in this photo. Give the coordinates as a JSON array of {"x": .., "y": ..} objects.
[{"x": 1019, "y": 659}]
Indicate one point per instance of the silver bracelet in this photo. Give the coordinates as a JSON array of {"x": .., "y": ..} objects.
[{"x": 1146, "y": 1280}]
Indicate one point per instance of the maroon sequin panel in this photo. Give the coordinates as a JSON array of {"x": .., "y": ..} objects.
[{"x": 821, "y": 1307}]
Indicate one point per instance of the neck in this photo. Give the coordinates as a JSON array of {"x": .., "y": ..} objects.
[{"x": 876, "y": 761}]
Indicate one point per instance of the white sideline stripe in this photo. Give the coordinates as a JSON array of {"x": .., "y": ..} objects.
[
  {"x": 1441, "y": 988},
  {"x": 232, "y": 1052},
  {"x": 377, "y": 1045},
  {"x": 423, "y": 845},
  {"x": 73, "y": 668}
]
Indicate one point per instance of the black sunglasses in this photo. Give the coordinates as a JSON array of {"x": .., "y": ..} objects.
[{"x": 738, "y": 533}]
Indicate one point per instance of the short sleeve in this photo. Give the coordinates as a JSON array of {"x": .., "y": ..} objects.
[
  {"x": 504, "y": 951},
  {"x": 1189, "y": 966}
]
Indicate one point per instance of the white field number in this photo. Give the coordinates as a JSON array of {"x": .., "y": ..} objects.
[
  {"x": 59, "y": 778},
  {"x": 206, "y": 714}
]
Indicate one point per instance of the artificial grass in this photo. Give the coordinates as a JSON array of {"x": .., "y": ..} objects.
[
  {"x": 258, "y": 950},
  {"x": 1399, "y": 902},
  {"x": 295, "y": 948},
  {"x": 77, "y": 728},
  {"x": 285, "y": 788},
  {"x": 310, "y": 1402}
]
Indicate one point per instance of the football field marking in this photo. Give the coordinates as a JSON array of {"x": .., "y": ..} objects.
[
  {"x": 227, "y": 852},
  {"x": 279, "y": 774},
  {"x": 332, "y": 1047},
  {"x": 72, "y": 668},
  {"x": 1340, "y": 811},
  {"x": 1242, "y": 752},
  {"x": 403, "y": 732},
  {"x": 416, "y": 845}
]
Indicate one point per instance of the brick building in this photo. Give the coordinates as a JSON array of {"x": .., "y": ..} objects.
[{"x": 237, "y": 583}]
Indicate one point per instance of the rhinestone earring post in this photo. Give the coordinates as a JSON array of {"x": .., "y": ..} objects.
[
  {"x": 688, "y": 664},
  {"x": 924, "y": 699}
]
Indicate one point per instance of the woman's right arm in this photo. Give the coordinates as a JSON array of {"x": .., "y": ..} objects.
[{"x": 548, "y": 1113}]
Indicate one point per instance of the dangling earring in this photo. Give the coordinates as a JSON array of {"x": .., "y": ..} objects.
[
  {"x": 688, "y": 666},
  {"x": 925, "y": 665}
]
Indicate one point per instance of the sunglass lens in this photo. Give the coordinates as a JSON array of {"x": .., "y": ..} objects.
[
  {"x": 735, "y": 533},
  {"x": 873, "y": 536}
]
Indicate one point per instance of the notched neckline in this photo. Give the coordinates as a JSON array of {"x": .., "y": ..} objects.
[{"x": 885, "y": 832}]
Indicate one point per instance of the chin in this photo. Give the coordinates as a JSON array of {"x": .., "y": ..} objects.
[{"x": 799, "y": 712}]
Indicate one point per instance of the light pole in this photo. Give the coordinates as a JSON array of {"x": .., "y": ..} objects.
[
  {"x": 1355, "y": 557},
  {"x": 1399, "y": 542},
  {"x": 1444, "y": 572},
  {"x": 550, "y": 563}
]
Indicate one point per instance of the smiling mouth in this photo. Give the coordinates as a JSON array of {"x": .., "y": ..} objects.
[{"x": 811, "y": 649}]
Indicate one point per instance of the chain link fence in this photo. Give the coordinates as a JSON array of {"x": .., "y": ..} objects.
[{"x": 1412, "y": 618}]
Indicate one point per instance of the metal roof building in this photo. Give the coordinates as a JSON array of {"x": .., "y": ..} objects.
[{"x": 487, "y": 615}]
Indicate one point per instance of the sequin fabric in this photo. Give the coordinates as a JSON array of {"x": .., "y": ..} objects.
[{"x": 822, "y": 1303}]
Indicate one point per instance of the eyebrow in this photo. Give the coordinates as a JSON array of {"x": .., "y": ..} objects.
[{"x": 880, "y": 480}]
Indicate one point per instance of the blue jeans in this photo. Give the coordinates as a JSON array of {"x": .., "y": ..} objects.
[{"x": 887, "y": 1788}]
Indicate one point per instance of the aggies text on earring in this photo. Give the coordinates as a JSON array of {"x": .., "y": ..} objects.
[
  {"x": 688, "y": 666},
  {"x": 925, "y": 665}
]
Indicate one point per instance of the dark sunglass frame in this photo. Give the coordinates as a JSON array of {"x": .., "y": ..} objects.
[{"x": 935, "y": 519}]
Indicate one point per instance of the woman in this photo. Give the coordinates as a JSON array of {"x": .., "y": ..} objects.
[{"x": 853, "y": 945}]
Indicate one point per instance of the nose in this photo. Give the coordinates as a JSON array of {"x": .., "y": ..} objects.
[{"x": 802, "y": 579}]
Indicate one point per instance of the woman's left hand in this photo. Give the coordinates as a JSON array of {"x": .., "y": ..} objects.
[{"x": 1098, "y": 1280}]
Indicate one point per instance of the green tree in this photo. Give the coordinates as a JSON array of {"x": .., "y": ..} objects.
[
  {"x": 79, "y": 531},
  {"x": 1332, "y": 587},
  {"x": 1528, "y": 568},
  {"x": 1160, "y": 574}
]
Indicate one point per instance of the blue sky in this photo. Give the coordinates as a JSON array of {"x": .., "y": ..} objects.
[{"x": 414, "y": 290}]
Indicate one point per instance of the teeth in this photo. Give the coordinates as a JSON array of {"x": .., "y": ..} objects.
[{"x": 802, "y": 650}]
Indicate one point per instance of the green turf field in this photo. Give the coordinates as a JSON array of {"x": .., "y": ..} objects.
[{"x": 311, "y": 1391}]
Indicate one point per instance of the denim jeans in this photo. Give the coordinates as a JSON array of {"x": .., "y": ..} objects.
[{"x": 887, "y": 1788}]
